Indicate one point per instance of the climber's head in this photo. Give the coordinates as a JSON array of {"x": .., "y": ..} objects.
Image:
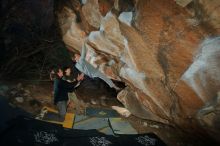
[
  {"x": 59, "y": 72},
  {"x": 76, "y": 57},
  {"x": 67, "y": 71}
]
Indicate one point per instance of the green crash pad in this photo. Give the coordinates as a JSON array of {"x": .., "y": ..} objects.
[
  {"x": 86, "y": 123},
  {"x": 119, "y": 126},
  {"x": 101, "y": 112}
]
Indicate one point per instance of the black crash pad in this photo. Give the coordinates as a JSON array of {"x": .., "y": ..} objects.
[{"x": 25, "y": 131}]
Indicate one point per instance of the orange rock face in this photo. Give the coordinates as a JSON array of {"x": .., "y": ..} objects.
[{"x": 172, "y": 43}]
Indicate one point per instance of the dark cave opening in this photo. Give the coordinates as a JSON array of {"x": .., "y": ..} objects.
[{"x": 30, "y": 39}]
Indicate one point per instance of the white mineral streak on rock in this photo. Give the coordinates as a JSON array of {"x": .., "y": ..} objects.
[
  {"x": 134, "y": 77},
  {"x": 103, "y": 44},
  {"x": 126, "y": 17},
  {"x": 204, "y": 68},
  {"x": 111, "y": 29},
  {"x": 126, "y": 56},
  {"x": 116, "y": 5},
  {"x": 84, "y": 1}
]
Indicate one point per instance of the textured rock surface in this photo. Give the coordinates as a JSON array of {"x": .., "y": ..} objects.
[
  {"x": 209, "y": 117},
  {"x": 209, "y": 12},
  {"x": 152, "y": 48},
  {"x": 183, "y": 3},
  {"x": 91, "y": 13},
  {"x": 131, "y": 102},
  {"x": 72, "y": 33},
  {"x": 205, "y": 11}
]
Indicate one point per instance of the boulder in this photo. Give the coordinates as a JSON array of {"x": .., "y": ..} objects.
[{"x": 159, "y": 51}]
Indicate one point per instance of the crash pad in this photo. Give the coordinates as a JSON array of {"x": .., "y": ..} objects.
[
  {"x": 145, "y": 139},
  {"x": 120, "y": 126},
  {"x": 50, "y": 115},
  {"x": 101, "y": 112},
  {"x": 25, "y": 131},
  {"x": 87, "y": 123}
]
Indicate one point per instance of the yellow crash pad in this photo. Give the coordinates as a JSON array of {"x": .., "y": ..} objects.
[{"x": 67, "y": 123}]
